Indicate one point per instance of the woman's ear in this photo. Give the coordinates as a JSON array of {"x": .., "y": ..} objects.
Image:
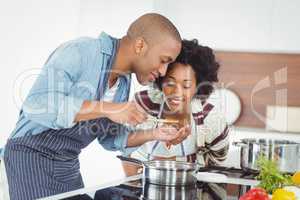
[{"x": 140, "y": 46}]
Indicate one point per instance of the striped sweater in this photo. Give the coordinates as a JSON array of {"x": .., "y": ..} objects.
[{"x": 209, "y": 131}]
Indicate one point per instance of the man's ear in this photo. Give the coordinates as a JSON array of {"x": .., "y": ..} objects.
[{"x": 140, "y": 46}]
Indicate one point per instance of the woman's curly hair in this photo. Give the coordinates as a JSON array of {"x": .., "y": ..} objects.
[{"x": 202, "y": 60}]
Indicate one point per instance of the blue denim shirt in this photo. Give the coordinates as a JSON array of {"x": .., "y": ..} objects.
[{"x": 74, "y": 72}]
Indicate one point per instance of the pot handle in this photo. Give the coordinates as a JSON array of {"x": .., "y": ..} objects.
[
  {"x": 198, "y": 167},
  {"x": 131, "y": 160}
]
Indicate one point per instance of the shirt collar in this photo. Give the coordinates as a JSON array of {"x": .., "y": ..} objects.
[{"x": 106, "y": 43}]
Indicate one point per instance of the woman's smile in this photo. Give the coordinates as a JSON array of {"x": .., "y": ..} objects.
[{"x": 175, "y": 101}]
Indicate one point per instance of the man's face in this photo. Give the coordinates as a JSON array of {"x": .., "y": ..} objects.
[{"x": 153, "y": 62}]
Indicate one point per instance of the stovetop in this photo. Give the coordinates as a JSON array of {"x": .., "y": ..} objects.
[
  {"x": 231, "y": 172},
  {"x": 140, "y": 190}
]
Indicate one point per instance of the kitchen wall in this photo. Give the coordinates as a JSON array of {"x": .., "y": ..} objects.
[
  {"x": 31, "y": 29},
  {"x": 246, "y": 26},
  {"x": 261, "y": 80},
  {"x": 249, "y": 25}
]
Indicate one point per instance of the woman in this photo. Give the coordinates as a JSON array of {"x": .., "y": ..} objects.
[{"x": 182, "y": 95}]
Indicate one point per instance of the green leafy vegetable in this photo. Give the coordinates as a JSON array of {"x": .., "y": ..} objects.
[{"x": 270, "y": 177}]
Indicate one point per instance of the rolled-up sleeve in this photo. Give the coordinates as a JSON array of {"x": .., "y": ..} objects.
[
  {"x": 49, "y": 101},
  {"x": 114, "y": 136}
]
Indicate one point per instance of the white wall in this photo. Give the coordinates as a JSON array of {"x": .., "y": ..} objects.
[
  {"x": 29, "y": 31},
  {"x": 249, "y": 25}
]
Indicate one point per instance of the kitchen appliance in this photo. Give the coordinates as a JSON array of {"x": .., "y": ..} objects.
[
  {"x": 166, "y": 172},
  {"x": 134, "y": 188},
  {"x": 140, "y": 190},
  {"x": 162, "y": 192},
  {"x": 285, "y": 153}
]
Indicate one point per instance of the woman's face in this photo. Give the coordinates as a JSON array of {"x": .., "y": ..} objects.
[{"x": 179, "y": 87}]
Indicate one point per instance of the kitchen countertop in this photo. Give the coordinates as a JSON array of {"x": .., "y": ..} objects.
[
  {"x": 92, "y": 190},
  {"x": 229, "y": 191},
  {"x": 132, "y": 188}
]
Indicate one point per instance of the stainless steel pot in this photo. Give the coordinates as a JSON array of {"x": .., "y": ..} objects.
[
  {"x": 166, "y": 172},
  {"x": 285, "y": 153},
  {"x": 160, "y": 192}
]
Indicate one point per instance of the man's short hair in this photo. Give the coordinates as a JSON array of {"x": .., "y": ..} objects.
[{"x": 153, "y": 27}]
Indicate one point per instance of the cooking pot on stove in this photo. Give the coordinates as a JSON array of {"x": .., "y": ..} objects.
[
  {"x": 285, "y": 153},
  {"x": 166, "y": 172},
  {"x": 163, "y": 192}
]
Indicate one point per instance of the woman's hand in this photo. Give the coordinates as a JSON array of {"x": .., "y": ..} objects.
[
  {"x": 163, "y": 133},
  {"x": 183, "y": 133},
  {"x": 170, "y": 134}
]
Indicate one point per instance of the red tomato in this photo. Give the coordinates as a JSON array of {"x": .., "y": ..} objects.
[{"x": 255, "y": 194}]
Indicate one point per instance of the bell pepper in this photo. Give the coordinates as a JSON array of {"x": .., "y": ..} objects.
[{"x": 282, "y": 194}]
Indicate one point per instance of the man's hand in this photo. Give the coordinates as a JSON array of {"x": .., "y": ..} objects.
[
  {"x": 125, "y": 113},
  {"x": 122, "y": 113}
]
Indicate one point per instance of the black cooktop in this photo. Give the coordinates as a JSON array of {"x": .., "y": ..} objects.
[{"x": 140, "y": 190}]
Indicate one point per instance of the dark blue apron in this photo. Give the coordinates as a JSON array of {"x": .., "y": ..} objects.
[{"x": 47, "y": 163}]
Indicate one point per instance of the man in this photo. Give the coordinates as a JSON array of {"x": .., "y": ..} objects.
[{"x": 80, "y": 95}]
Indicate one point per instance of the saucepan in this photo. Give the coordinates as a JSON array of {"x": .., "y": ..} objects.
[
  {"x": 166, "y": 172},
  {"x": 163, "y": 192},
  {"x": 285, "y": 153}
]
